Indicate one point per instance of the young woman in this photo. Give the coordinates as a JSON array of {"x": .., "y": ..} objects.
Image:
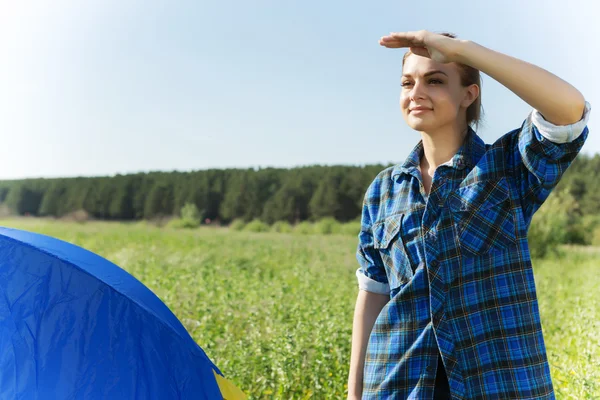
[{"x": 448, "y": 305}]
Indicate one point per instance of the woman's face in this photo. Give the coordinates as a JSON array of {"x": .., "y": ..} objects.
[{"x": 432, "y": 95}]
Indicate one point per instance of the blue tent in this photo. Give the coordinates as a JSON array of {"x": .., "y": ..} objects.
[{"x": 73, "y": 325}]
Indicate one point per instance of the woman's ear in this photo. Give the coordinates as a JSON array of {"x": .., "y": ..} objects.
[{"x": 471, "y": 94}]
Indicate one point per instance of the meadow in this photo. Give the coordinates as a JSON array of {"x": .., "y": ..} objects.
[{"x": 274, "y": 310}]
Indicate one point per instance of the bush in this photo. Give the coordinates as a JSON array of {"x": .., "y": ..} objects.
[
  {"x": 351, "y": 228},
  {"x": 327, "y": 226},
  {"x": 304, "y": 228},
  {"x": 549, "y": 225},
  {"x": 595, "y": 239},
  {"x": 582, "y": 230},
  {"x": 190, "y": 218},
  {"x": 237, "y": 225},
  {"x": 189, "y": 212},
  {"x": 281, "y": 227},
  {"x": 257, "y": 226},
  {"x": 180, "y": 223}
]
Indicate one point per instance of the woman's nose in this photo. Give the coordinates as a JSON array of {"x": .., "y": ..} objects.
[{"x": 418, "y": 91}]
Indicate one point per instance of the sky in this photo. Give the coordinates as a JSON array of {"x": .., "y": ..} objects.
[{"x": 105, "y": 87}]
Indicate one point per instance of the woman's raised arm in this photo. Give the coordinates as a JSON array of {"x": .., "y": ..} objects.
[{"x": 558, "y": 101}]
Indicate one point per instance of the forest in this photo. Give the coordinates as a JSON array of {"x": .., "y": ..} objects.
[
  {"x": 294, "y": 195},
  {"x": 270, "y": 194}
]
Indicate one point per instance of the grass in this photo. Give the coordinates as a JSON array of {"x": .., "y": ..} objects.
[{"x": 274, "y": 310}]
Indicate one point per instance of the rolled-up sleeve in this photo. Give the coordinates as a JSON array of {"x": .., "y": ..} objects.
[
  {"x": 543, "y": 152},
  {"x": 371, "y": 274},
  {"x": 560, "y": 133}
]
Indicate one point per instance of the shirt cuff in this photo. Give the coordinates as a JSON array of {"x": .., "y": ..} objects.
[
  {"x": 370, "y": 285},
  {"x": 560, "y": 133}
]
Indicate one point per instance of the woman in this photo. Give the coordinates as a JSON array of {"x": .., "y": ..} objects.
[{"x": 447, "y": 306}]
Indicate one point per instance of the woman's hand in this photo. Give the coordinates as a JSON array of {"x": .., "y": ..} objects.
[{"x": 438, "y": 47}]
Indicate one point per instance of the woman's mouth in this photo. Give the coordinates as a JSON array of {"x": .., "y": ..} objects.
[{"x": 419, "y": 110}]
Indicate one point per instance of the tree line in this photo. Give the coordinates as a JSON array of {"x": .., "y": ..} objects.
[{"x": 269, "y": 194}]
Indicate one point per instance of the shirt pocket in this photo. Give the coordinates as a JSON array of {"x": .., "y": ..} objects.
[
  {"x": 387, "y": 238},
  {"x": 483, "y": 216}
]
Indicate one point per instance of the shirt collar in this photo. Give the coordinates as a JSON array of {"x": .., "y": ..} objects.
[{"x": 467, "y": 155}]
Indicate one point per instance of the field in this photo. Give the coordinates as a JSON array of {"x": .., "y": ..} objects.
[{"x": 274, "y": 310}]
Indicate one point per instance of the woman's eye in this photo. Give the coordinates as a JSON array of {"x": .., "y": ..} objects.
[{"x": 436, "y": 81}]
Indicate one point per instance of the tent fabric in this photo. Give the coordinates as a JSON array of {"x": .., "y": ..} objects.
[{"x": 73, "y": 325}]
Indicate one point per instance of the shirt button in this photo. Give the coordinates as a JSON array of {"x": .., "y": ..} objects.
[
  {"x": 434, "y": 263},
  {"x": 460, "y": 164},
  {"x": 429, "y": 368}
]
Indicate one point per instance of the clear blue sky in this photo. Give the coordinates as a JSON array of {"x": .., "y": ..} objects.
[{"x": 100, "y": 87}]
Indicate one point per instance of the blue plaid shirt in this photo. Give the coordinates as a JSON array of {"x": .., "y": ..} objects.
[{"x": 457, "y": 267}]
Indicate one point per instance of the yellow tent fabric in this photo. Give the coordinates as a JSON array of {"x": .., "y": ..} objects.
[{"x": 228, "y": 389}]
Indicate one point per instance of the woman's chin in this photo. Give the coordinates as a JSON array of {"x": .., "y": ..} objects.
[
  {"x": 425, "y": 122},
  {"x": 420, "y": 125}
]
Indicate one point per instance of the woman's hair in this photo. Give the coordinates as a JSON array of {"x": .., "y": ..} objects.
[{"x": 468, "y": 76}]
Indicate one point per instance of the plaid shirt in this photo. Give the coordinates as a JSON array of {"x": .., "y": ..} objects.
[{"x": 457, "y": 267}]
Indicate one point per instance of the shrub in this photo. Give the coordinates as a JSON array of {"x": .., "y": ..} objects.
[
  {"x": 189, "y": 212},
  {"x": 256, "y": 226},
  {"x": 180, "y": 223},
  {"x": 190, "y": 218},
  {"x": 595, "y": 239},
  {"x": 549, "y": 225},
  {"x": 282, "y": 227},
  {"x": 350, "y": 228},
  {"x": 327, "y": 226},
  {"x": 582, "y": 229},
  {"x": 304, "y": 228},
  {"x": 237, "y": 225}
]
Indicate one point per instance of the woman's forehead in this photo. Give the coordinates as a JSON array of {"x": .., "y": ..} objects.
[{"x": 415, "y": 65}]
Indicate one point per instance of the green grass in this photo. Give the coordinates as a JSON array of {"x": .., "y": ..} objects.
[
  {"x": 569, "y": 297},
  {"x": 274, "y": 310}
]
